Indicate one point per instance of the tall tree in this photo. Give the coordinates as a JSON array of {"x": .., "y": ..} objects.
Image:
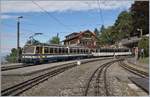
[
  {"x": 96, "y": 31},
  {"x": 12, "y": 57},
  {"x": 55, "y": 40},
  {"x": 140, "y": 10},
  {"x": 102, "y": 29},
  {"x": 107, "y": 36},
  {"x": 123, "y": 24}
]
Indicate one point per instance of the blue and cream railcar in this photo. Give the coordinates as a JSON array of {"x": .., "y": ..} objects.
[{"x": 45, "y": 53}]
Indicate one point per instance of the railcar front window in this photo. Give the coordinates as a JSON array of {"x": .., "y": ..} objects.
[
  {"x": 29, "y": 49},
  {"x": 51, "y": 50},
  {"x": 46, "y": 50},
  {"x": 38, "y": 50}
]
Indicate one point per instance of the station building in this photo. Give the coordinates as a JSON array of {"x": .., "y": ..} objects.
[
  {"x": 132, "y": 41},
  {"x": 83, "y": 38}
]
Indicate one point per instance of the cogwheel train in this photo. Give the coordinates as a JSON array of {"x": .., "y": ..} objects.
[{"x": 49, "y": 53}]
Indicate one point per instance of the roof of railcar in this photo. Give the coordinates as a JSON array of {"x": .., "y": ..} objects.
[{"x": 56, "y": 45}]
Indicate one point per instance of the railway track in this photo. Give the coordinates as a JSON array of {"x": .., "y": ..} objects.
[
  {"x": 5, "y": 68},
  {"x": 134, "y": 70},
  {"x": 23, "y": 86},
  {"x": 143, "y": 81},
  {"x": 99, "y": 81}
]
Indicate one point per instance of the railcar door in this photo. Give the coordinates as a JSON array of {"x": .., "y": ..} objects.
[{"x": 39, "y": 51}]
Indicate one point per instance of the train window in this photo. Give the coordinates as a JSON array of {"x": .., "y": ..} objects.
[
  {"x": 66, "y": 50},
  {"x": 96, "y": 50},
  {"x": 74, "y": 50},
  {"x": 102, "y": 50},
  {"x": 45, "y": 49},
  {"x": 78, "y": 51},
  {"x": 60, "y": 50},
  {"x": 55, "y": 50},
  {"x": 63, "y": 50},
  {"x": 83, "y": 51},
  {"x": 38, "y": 50},
  {"x": 86, "y": 50},
  {"x": 70, "y": 50},
  {"x": 29, "y": 49},
  {"x": 51, "y": 50}
]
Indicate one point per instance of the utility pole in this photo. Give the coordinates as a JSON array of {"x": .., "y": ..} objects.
[
  {"x": 18, "y": 38},
  {"x": 57, "y": 34},
  {"x": 141, "y": 32}
]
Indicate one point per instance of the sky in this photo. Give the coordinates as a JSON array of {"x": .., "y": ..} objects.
[{"x": 51, "y": 17}]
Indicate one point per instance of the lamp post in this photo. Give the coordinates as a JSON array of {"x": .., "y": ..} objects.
[
  {"x": 141, "y": 31},
  {"x": 18, "y": 37}
]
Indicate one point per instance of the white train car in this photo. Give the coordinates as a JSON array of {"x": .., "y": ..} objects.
[{"x": 104, "y": 52}]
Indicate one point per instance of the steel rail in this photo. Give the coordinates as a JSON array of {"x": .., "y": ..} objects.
[
  {"x": 21, "y": 87},
  {"x": 5, "y": 68},
  {"x": 99, "y": 70},
  {"x": 102, "y": 70},
  {"x": 134, "y": 70}
]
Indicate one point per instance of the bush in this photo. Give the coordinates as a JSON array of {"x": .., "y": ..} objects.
[
  {"x": 12, "y": 57},
  {"x": 144, "y": 44}
]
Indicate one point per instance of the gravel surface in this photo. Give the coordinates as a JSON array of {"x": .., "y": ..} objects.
[
  {"x": 69, "y": 83},
  {"x": 10, "y": 80},
  {"x": 137, "y": 63},
  {"x": 72, "y": 82},
  {"x": 119, "y": 84}
]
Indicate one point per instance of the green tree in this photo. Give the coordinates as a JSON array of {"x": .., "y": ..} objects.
[
  {"x": 123, "y": 25},
  {"x": 102, "y": 29},
  {"x": 121, "y": 29},
  {"x": 96, "y": 31},
  {"x": 12, "y": 57},
  {"x": 55, "y": 40},
  {"x": 144, "y": 44},
  {"x": 107, "y": 36},
  {"x": 140, "y": 15}
]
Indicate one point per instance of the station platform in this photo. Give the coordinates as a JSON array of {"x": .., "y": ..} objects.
[
  {"x": 137, "y": 66},
  {"x": 141, "y": 82},
  {"x": 137, "y": 63},
  {"x": 13, "y": 64},
  {"x": 37, "y": 68}
]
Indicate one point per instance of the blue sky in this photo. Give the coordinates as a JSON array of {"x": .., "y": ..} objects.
[{"x": 63, "y": 18}]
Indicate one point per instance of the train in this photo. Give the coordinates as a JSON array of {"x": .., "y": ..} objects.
[{"x": 49, "y": 53}]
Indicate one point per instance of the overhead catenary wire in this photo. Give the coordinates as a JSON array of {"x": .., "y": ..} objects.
[
  {"x": 100, "y": 12},
  {"x": 102, "y": 19},
  {"x": 24, "y": 30},
  {"x": 46, "y": 12}
]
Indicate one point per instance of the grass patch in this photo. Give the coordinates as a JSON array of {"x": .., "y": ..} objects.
[{"x": 144, "y": 60}]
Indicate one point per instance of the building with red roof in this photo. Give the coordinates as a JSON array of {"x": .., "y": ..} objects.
[{"x": 84, "y": 38}]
